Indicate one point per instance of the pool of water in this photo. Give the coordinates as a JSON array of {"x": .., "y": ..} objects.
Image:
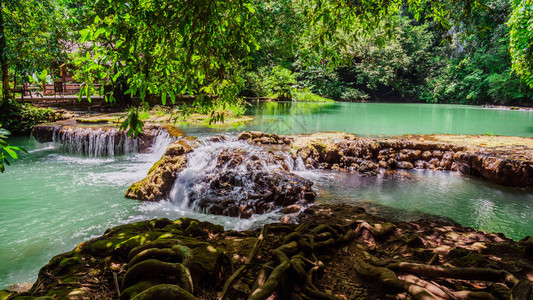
[
  {"x": 50, "y": 202},
  {"x": 374, "y": 119}
]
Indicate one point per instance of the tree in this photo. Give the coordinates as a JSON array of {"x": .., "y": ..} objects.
[
  {"x": 168, "y": 47},
  {"x": 521, "y": 34},
  {"x": 33, "y": 36}
]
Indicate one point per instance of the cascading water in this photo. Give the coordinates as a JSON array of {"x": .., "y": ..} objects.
[
  {"x": 101, "y": 142},
  {"x": 235, "y": 178}
]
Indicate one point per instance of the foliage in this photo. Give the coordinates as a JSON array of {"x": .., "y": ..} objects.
[
  {"x": 21, "y": 118},
  {"x": 133, "y": 123},
  {"x": 521, "y": 39},
  {"x": 351, "y": 94},
  {"x": 38, "y": 34},
  {"x": 7, "y": 151},
  {"x": 280, "y": 82},
  {"x": 305, "y": 95},
  {"x": 321, "y": 81},
  {"x": 167, "y": 47},
  {"x": 480, "y": 70}
]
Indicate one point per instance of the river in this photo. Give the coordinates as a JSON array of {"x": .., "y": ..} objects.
[{"x": 50, "y": 201}]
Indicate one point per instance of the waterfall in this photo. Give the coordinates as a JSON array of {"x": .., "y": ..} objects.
[
  {"x": 228, "y": 177},
  {"x": 96, "y": 142},
  {"x": 101, "y": 142}
]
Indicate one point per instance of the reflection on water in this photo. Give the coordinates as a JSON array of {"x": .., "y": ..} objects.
[
  {"x": 407, "y": 196},
  {"x": 373, "y": 119}
]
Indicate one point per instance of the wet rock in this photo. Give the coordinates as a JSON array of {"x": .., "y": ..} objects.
[
  {"x": 420, "y": 164},
  {"x": 263, "y": 138},
  {"x": 163, "y": 173},
  {"x": 292, "y": 209},
  {"x": 427, "y": 155},
  {"x": 404, "y": 165}
]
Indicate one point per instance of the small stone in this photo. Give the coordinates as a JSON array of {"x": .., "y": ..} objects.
[{"x": 292, "y": 209}]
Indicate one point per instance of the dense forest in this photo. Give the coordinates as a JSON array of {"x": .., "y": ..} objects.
[{"x": 468, "y": 52}]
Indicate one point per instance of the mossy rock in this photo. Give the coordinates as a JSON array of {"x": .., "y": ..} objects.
[{"x": 174, "y": 131}]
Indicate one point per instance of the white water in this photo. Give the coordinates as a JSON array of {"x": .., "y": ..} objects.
[
  {"x": 94, "y": 142},
  {"x": 195, "y": 180}
]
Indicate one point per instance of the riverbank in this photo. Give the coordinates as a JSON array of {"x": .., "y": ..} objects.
[{"x": 336, "y": 252}]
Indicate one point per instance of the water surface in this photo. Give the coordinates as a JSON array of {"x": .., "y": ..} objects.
[
  {"x": 51, "y": 201},
  {"x": 374, "y": 119}
]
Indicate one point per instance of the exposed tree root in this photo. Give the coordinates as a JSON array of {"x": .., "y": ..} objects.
[
  {"x": 294, "y": 267},
  {"x": 422, "y": 289},
  {"x": 247, "y": 263},
  {"x": 165, "y": 291},
  {"x": 165, "y": 272}
]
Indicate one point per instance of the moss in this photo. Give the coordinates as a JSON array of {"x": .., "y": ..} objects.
[
  {"x": 66, "y": 265},
  {"x": 165, "y": 291},
  {"x": 173, "y": 131},
  {"x": 4, "y": 294},
  {"x": 136, "y": 289},
  {"x": 137, "y": 240},
  {"x": 155, "y": 166},
  {"x": 93, "y": 121},
  {"x": 131, "y": 192}
]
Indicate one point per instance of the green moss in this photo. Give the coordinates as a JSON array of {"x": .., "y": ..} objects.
[
  {"x": 136, "y": 289},
  {"x": 156, "y": 165},
  {"x": 4, "y": 294},
  {"x": 66, "y": 265},
  {"x": 137, "y": 240},
  {"x": 92, "y": 121},
  {"x": 131, "y": 192}
]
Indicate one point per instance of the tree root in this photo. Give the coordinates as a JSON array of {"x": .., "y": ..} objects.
[
  {"x": 378, "y": 230},
  {"x": 165, "y": 273},
  {"x": 294, "y": 268},
  {"x": 389, "y": 278},
  {"x": 422, "y": 289},
  {"x": 247, "y": 263},
  {"x": 165, "y": 291},
  {"x": 176, "y": 254},
  {"x": 457, "y": 273}
]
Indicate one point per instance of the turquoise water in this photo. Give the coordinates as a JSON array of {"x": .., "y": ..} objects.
[
  {"x": 50, "y": 202},
  {"x": 373, "y": 119}
]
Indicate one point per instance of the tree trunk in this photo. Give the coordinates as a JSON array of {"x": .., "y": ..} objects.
[{"x": 3, "y": 55}]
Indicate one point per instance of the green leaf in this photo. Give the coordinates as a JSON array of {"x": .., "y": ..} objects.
[{"x": 11, "y": 153}]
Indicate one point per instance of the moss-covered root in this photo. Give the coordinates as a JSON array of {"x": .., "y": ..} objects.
[
  {"x": 176, "y": 254},
  {"x": 165, "y": 291},
  {"x": 160, "y": 271}
]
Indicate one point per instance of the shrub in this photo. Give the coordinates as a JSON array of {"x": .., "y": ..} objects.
[
  {"x": 305, "y": 95},
  {"x": 21, "y": 118},
  {"x": 351, "y": 94}
]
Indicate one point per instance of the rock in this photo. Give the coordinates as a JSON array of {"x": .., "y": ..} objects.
[
  {"x": 263, "y": 138},
  {"x": 404, "y": 165},
  {"x": 292, "y": 209},
  {"x": 161, "y": 176},
  {"x": 427, "y": 155}
]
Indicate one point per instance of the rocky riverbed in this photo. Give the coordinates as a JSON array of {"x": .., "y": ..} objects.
[
  {"x": 316, "y": 251},
  {"x": 503, "y": 160}
]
